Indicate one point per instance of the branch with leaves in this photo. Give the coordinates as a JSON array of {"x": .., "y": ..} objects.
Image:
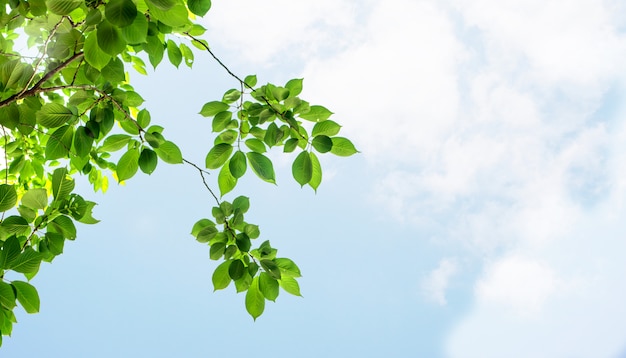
[{"x": 58, "y": 112}]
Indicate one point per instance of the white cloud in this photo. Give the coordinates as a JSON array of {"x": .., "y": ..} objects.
[
  {"x": 434, "y": 286},
  {"x": 485, "y": 119}
]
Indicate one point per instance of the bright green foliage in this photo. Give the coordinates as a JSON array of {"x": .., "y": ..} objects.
[{"x": 70, "y": 110}]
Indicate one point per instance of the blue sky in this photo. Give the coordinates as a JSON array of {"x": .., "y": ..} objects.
[{"x": 483, "y": 218}]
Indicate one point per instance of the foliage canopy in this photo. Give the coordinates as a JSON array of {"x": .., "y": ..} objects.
[{"x": 67, "y": 108}]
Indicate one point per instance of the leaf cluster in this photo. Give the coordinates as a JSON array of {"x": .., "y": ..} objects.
[{"x": 70, "y": 110}]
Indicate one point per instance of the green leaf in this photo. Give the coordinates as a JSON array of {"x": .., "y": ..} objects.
[
  {"x": 328, "y": 128},
  {"x": 241, "y": 203},
  {"x": 27, "y": 296},
  {"x": 63, "y": 225},
  {"x": 250, "y": 80},
  {"x": 26, "y": 262},
  {"x": 83, "y": 141},
  {"x": 290, "y": 145},
  {"x": 94, "y": 55},
  {"x": 61, "y": 186},
  {"x": 115, "y": 142},
  {"x": 137, "y": 32},
  {"x": 262, "y": 166},
  {"x": 55, "y": 242},
  {"x": 11, "y": 249},
  {"x": 290, "y": 285},
  {"x": 53, "y": 115},
  {"x": 120, "y": 12},
  {"x": 87, "y": 218},
  {"x": 162, "y": 4},
  {"x": 207, "y": 233},
  {"x": 302, "y": 169},
  {"x": 221, "y": 121},
  {"x": 255, "y": 301},
  {"x": 252, "y": 231},
  {"x": 271, "y": 268},
  {"x": 155, "y": 48},
  {"x": 316, "y": 114},
  {"x": 238, "y": 164},
  {"x": 322, "y": 143},
  {"x": 212, "y": 108},
  {"x": 187, "y": 55},
  {"x": 228, "y": 136},
  {"x": 176, "y": 16},
  {"x": 148, "y": 160},
  {"x": 268, "y": 286},
  {"x": 343, "y": 147},
  {"x": 169, "y": 153},
  {"x": 256, "y": 145},
  {"x": 236, "y": 269},
  {"x": 128, "y": 165},
  {"x": 316, "y": 174},
  {"x": 59, "y": 143},
  {"x": 218, "y": 155},
  {"x": 173, "y": 53},
  {"x": 110, "y": 38},
  {"x": 199, "y": 7},
  {"x": 63, "y": 7},
  {"x": 8, "y": 197},
  {"x": 294, "y": 86},
  {"x": 288, "y": 267},
  {"x": 217, "y": 250},
  {"x": 220, "y": 277},
  {"x": 226, "y": 181},
  {"x": 35, "y": 199},
  {"x": 199, "y": 225},
  {"x": 7, "y": 296}
]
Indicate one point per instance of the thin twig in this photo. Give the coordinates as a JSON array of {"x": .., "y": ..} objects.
[{"x": 202, "y": 171}]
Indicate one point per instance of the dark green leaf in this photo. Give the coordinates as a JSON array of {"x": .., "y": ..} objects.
[
  {"x": 218, "y": 155},
  {"x": 10, "y": 250},
  {"x": 8, "y": 197},
  {"x": 59, "y": 143},
  {"x": 268, "y": 286},
  {"x": 27, "y": 296},
  {"x": 199, "y": 7},
  {"x": 262, "y": 166},
  {"x": 302, "y": 169},
  {"x": 83, "y": 141},
  {"x": 55, "y": 242},
  {"x": 120, "y": 12},
  {"x": 236, "y": 269},
  {"x": 148, "y": 160},
  {"x": 7, "y": 296},
  {"x": 255, "y": 301},
  {"x": 322, "y": 143},
  {"x": 110, "y": 38}
]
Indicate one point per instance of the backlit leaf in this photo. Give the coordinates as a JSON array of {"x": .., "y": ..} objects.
[
  {"x": 218, "y": 155},
  {"x": 169, "y": 152},
  {"x": 238, "y": 164},
  {"x": 255, "y": 301},
  {"x": 8, "y": 197},
  {"x": 302, "y": 169},
  {"x": 225, "y": 180},
  {"x": 262, "y": 166},
  {"x": 212, "y": 108},
  {"x": 120, "y": 12},
  {"x": 342, "y": 147},
  {"x": 268, "y": 286},
  {"x": 35, "y": 199},
  {"x": 199, "y": 7},
  {"x": 128, "y": 165},
  {"x": 53, "y": 115},
  {"x": 220, "y": 277}
]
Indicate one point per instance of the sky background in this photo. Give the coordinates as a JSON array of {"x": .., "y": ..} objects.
[{"x": 484, "y": 216}]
